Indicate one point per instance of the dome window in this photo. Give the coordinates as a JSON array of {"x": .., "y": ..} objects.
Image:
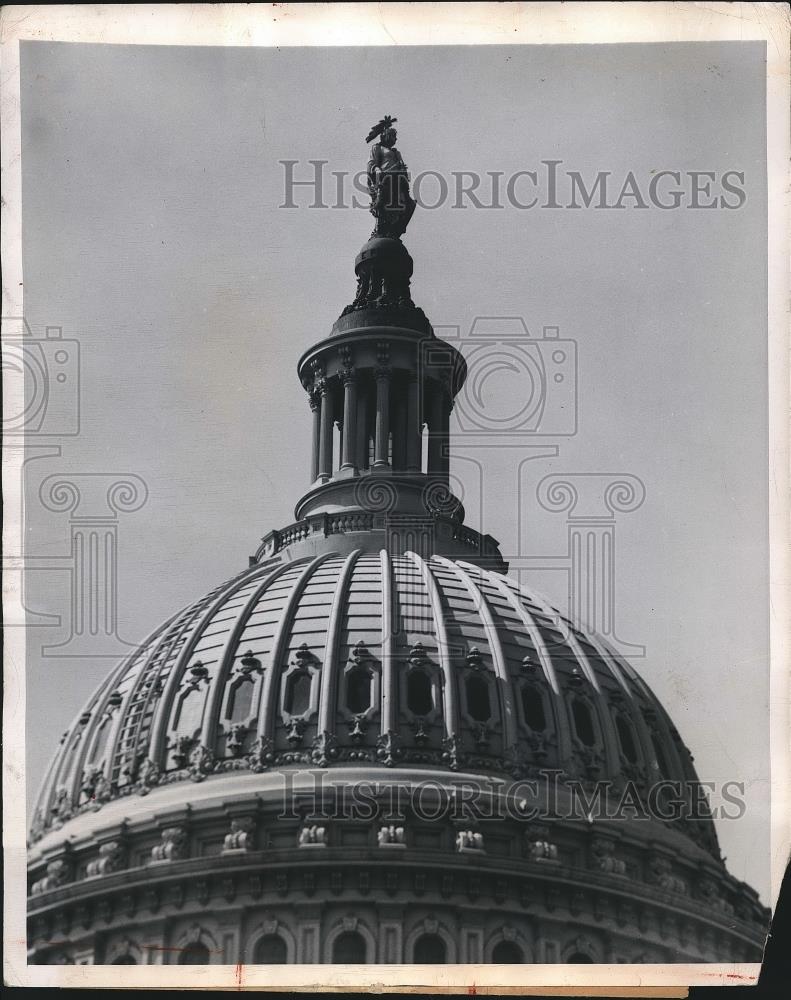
[
  {"x": 358, "y": 690},
  {"x": 430, "y": 950},
  {"x": 270, "y": 950},
  {"x": 419, "y": 693},
  {"x": 583, "y": 723},
  {"x": 297, "y": 699},
  {"x": 349, "y": 949},
  {"x": 190, "y": 710},
  {"x": 240, "y": 701},
  {"x": 626, "y": 738},
  {"x": 533, "y": 708},
  {"x": 507, "y": 953},
  {"x": 478, "y": 704}
]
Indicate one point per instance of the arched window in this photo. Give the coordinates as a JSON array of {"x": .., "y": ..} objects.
[
  {"x": 579, "y": 958},
  {"x": 478, "y": 705},
  {"x": 270, "y": 950},
  {"x": 297, "y": 698},
  {"x": 349, "y": 948},
  {"x": 626, "y": 737},
  {"x": 124, "y": 960},
  {"x": 533, "y": 708},
  {"x": 583, "y": 723},
  {"x": 358, "y": 690},
  {"x": 507, "y": 953},
  {"x": 430, "y": 950},
  {"x": 195, "y": 954},
  {"x": 419, "y": 696},
  {"x": 240, "y": 701}
]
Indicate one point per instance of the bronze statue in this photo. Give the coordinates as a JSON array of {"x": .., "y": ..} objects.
[{"x": 388, "y": 182}]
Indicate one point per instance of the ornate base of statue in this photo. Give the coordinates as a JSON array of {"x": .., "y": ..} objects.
[{"x": 383, "y": 266}]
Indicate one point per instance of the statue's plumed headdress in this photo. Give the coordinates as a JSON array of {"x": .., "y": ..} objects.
[{"x": 385, "y": 123}]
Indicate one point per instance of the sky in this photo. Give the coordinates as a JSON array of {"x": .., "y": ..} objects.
[{"x": 153, "y": 235}]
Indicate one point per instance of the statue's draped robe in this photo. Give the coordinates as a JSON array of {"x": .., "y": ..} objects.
[{"x": 388, "y": 181}]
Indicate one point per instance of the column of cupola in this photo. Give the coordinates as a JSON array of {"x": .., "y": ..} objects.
[{"x": 384, "y": 407}]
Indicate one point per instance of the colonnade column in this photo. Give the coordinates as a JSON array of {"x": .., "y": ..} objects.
[
  {"x": 363, "y": 459},
  {"x": 325, "y": 436},
  {"x": 381, "y": 457},
  {"x": 399, "y": 427},
  {"x": 414, "y": 424},
  {"x": 438, "y": 424},
  {"x": 315, "y": 409},
  {"x": 446, "y": 406},
  {"x": 349, "y": 429}
]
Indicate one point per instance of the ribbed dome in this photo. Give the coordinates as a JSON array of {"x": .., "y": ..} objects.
[{"x": 365, "y": 657}]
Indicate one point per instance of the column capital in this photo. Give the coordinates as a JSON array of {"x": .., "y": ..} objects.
[
  {"x": 382, "y": 373},
  {"x": 314, "y": 400},
  {"x": 322, "y": 386},
  {"x": 348, "y": 375}
]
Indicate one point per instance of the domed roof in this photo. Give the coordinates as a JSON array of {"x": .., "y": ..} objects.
[{"x": 364, "y": 657}]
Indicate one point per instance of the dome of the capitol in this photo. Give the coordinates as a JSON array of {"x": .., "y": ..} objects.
[
  {"x": 364, "y": 658},
  {"x": 373, "y": 745},
  {"x": 167, "y": 793}
]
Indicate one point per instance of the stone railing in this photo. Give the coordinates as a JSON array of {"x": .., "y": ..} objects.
[{"x": 325, "y": 525}]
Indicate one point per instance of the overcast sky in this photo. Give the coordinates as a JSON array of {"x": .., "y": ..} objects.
[{"x": 152, "y": 234}]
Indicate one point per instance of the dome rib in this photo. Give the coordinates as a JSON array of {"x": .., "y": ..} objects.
[
  {"x": 266, "y": 729},
  {"x": 211, "y": 717},
  {"x": 97, "y": 706},
  {"x": 499, "y": 661},
  {"x": 69, "y": 749},
  {"x": 532, "y": 629},
  {"x": 118, "y": 722},
  {"x": 389, "y": 706},
  {"x": 146, "y": 687},
  {"x": 91, "y": 728},
  {"x": 159, "y": 732},
  {"x": 449, "y": 694},
  {"x": 611, "y": 663},
  {"x": 329, "y": 678},
  {"x": 571, "y": 639}
]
